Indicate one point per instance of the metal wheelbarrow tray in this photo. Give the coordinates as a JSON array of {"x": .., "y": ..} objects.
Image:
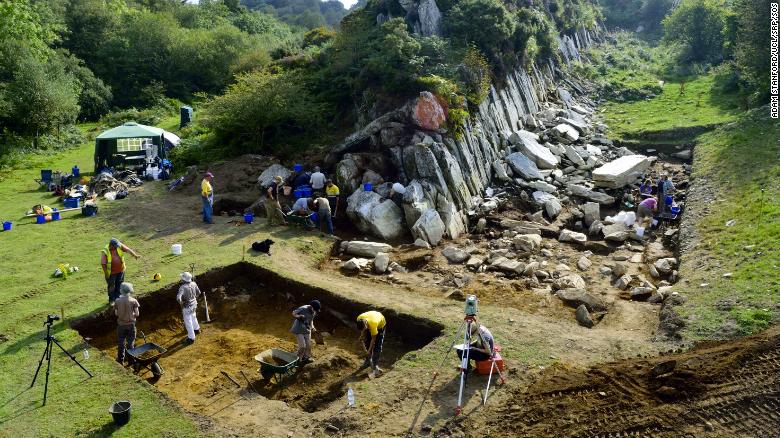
[
  {"x": 140, "y": 360},
  {"x": 275, "y": 363}
]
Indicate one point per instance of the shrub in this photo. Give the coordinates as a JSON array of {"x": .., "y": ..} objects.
[
  {"x": 486, "y": 23},
  {"x": 474, "y": 73}
]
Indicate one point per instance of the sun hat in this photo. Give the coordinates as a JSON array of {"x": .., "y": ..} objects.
[{"x": 186, "y": 277}]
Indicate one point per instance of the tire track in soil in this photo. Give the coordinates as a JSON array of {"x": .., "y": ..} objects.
[{"x": 716, "y": 389}]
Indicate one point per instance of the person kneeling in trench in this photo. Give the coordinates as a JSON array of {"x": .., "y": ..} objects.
[
  {"x": 188, "y": 300},
  {"x": 302, "y": 328},
  {"x": 372, "y": 332}
]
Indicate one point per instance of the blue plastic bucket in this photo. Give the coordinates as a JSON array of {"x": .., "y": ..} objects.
[
  {"x": 306, "y": 191},
  {"x": 7, "y": 226},
  {"x": 249, "y": 217},
  {"x": 367, "y": 187},
  {"x": 675, "y": 210},
  {"x": 55, "y": 215},
  {"x": 71, "y": 202},
  {"x": 669, "y": 199},
  {"x": 315, "y": 217},
  {"x": 298, "y": 167},
  {"x": 40, "y": 219},
  {"x": 298, "y": 193}
]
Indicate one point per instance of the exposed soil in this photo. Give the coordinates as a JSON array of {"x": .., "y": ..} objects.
[
  {"x": 250, "y": 313},
  {"x": 716, "y": 389}
]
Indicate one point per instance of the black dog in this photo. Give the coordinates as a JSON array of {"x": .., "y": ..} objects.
[{"x": 264, "y": 246}]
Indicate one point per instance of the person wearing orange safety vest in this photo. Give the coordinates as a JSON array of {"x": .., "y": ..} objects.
[{"x": 112, "y": 258}]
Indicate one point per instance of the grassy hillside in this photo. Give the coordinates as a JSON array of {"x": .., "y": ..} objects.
[
  {"x": 28, "y": 292},
  {"x": 739, "y": 164}
]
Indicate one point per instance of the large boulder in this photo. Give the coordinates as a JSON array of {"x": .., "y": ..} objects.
[
  {"x": 528, "y": 143},
  {"x": 583, "y": 316},
  {"x": 500, "y": 171},
  {"x": 427, "y": 112},
  {"x": 591, "y": 212},
  {"x": 665, "y": 265},
  {"x": 455, "y": 255},
  {"x": 415, "y": 202},
  {"x": 365, "y": 249},
  {"x": 552, "y": 207},
  {"x": 565, "y": 133},
  {"x": 267, "y": 177},
  {"x": 347, "y": 174},
  {"x": 530, "y": 243},
  {"x": 359, "y": 207},
  {"x": 591, "y": 195},
  {"x": 577, "y": 297},
  {"x": 429, "y": 18},
  {"x": 573, "y": 156},
  {"x": 621, "y": 172},
  {"x": 387, "y": 221},
  {"x": 429, "y": 227},
  {"x": 355, "y": 264},
  {"x": 381, "y": 262},
  {"x": 572, "y": 236},
  {"x": 523, "y": 167}
]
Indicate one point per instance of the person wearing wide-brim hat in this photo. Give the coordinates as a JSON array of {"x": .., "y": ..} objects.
[
  {"x": 188, "y": 300},
  {"x": 207, "y": 196},
  {"x": 126, "y": 309}
]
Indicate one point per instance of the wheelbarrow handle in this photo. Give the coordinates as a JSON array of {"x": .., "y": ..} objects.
[{"x": 143, "y": 336}]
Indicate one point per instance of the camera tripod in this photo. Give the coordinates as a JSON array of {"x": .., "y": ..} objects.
[{"x": 51, "y": 340}]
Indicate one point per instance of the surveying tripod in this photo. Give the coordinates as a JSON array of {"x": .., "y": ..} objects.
[
  {"x": 50, "y": 341},
  {"x": 468, "y": 321}
]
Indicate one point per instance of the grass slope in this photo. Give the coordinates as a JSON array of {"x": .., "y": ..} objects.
[
  {"x": 671, "y": 115},
  {"x": 78, "y": 406},
  {"x": 737, "y": 161}
]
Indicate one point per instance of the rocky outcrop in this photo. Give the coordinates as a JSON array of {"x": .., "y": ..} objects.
[{"x": 510, "y": 130}]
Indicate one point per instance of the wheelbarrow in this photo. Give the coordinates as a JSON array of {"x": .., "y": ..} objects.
[
  {"x": 146, "y": 355},
  {"x": 275, "y": 364},
  {"x": 301, "y": 221}
]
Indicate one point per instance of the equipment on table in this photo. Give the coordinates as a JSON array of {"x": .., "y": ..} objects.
[
  {"x": 120, "y": 411},
  {"x": 50, "y": 341},
  {"x": 146, "y": 355},
  {"x": 276, "y": 364}
]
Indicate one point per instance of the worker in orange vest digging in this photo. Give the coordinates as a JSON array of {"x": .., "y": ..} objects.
[
  {"x": 112, "y": 258},
  {"x": 372, "y": 332}
]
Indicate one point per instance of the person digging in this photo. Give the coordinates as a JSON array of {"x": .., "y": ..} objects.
[
  {"x": 112, "y": 259},
  {"x": 302, "y": 328},
  {"x": 372, "y": 332},
  {"x": 126, "y": 309},
  {"x": 188, "y": 300}
]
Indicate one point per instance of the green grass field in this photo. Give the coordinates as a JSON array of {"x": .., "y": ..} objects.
[
  {"x": 738, "y": 160},
  {"x": 28, "y": 292},
  {"x": 700, "y": 107}
]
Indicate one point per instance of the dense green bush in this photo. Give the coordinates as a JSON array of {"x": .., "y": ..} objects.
[
  {"x": 264, "y": 112},
  {"x": 699, "y": 26},
  {"x": 486, "y": 23}
]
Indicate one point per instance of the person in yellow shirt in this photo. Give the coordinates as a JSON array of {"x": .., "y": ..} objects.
[
  {"x": 332, "y": 193},
  {"x": 43, "y": 210},
  {"x": 372, "y": 332},
  {"x": 207, "y": 195}
]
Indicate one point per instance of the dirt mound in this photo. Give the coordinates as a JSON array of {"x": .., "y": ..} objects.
[
  {"x": 726, "y": 389},
  {"x": 235, "y": 176}
]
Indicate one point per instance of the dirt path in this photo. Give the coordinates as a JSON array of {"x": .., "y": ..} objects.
[{"x": 727, "y": 389}]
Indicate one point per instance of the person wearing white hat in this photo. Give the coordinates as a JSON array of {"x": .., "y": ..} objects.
[{"x": 188, "y": 300}]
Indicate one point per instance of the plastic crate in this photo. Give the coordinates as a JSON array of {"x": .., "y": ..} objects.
[{"x": 72, "y": 202}]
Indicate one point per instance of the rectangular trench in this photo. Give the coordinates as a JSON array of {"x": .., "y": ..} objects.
[{"x": 250, "y": 309}]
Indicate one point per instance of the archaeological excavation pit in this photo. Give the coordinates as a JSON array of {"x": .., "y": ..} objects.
[{"x": 250, "y": 308}]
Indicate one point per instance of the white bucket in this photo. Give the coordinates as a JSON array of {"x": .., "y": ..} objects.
[
  {"x": 176, "y": 249},
  {"x": 640, "y": 231}
]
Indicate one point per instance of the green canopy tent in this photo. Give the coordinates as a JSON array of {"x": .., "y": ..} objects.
[{"x": 131, "y": 145}]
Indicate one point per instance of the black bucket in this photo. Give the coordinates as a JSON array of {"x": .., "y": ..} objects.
[{"x": 121, "y": 412}]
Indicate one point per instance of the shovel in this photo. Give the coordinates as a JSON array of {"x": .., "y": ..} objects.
[
  {"x": 317, "y": 337},
  {"x": 205, "y": 302}
]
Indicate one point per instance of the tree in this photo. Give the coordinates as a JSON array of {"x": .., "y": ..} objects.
[
  {"x": 699, "y": 26},
  {"x": 751, "y": 50},
  {"x": 263, "y": 111},
  {"x": 486, "y": 23}
]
